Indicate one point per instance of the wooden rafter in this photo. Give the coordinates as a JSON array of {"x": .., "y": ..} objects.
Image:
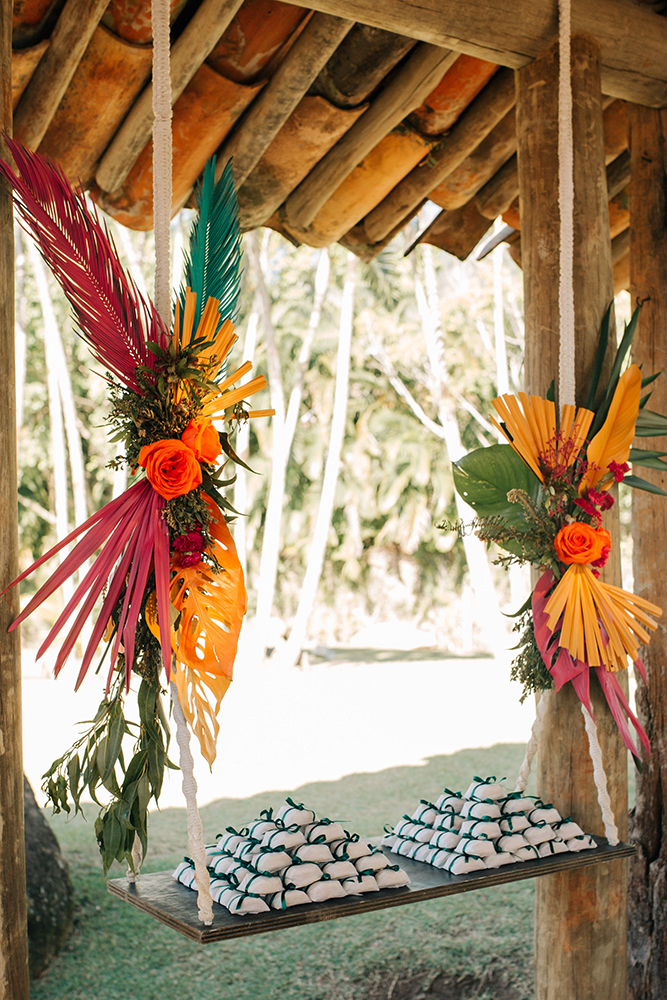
[{"x": 632, "y": 39}]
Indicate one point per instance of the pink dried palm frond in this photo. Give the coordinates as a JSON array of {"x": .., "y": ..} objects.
[
  {"x": 114, "y": 318},
  {"x": 133, "y": 540}
]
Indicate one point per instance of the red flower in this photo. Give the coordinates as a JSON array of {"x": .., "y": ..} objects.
[
  {"x": 619, "y": 471},
  {"x": 588, "y": 508},
  {"x": 192, "y": 542},
  {"x": 605, "y": 538}
]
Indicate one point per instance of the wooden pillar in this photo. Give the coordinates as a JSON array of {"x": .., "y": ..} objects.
[
  {"x": 648, "y": 277},
  {"x": 13, "y": 919},
  {"x": 580, "y": 925}
]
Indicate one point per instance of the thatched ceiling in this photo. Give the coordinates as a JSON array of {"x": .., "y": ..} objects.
[{"x": 340, "y": 130}]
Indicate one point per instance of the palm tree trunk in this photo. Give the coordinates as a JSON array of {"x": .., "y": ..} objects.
[
  {"x": 489, "y": 617},
  {"x": 318, "y": 545},
  {"x": 268, "y": 567},
  {"x": 242, "y": 446},
  {"x": 58, "y": 449}
]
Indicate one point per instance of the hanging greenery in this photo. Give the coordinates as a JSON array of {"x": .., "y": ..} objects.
[
  {"x": 540, "y": 498},
  {"x": 166, "y": 575}
]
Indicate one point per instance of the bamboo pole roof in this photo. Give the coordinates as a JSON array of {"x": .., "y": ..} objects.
[{"x": 344, "y": 117}]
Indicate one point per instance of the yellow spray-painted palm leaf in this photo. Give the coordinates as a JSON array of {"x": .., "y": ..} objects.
[
  {"x": 588, "y": 607},
  {"x": 612, "y": 442},
  {"x": 530, "y": 427}
]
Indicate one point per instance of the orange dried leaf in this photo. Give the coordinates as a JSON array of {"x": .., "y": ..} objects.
[{"x": 612, "y": 442}]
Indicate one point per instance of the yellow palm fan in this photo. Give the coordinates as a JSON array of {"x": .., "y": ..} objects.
[
  {"x": 613, "y": 440},
  {"x": 588, "y": 605},
  {"x": 531, "y": 430}
]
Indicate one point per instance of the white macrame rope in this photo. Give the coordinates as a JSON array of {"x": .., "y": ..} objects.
[
  {"x": 566, "y": 369},
  {"x": 610, "y": 829},
  {"x": 566, "y": 375},
  {"x": 161, "y": 156},
  {"x": 195, "y": 831},
  {"x": 162, "y": 184},
  {"x": 531, "y": 748}
]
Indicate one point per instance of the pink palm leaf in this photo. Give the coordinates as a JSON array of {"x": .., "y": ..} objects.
[
  {"x": 114, "y": 318},
  {"x": 132, "y": 537}
]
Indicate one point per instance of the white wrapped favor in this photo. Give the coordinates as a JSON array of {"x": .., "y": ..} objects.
[
  {"x": 324, "y": 832},
  {"x": 299, "y": 876},
  {"x": 536, "y": 835},
  {"x": 319, "y": 853},
  {"x": 445, "y": 838},
  {"x": 391, "y": 878},
  {"x": 259, "y": 884},
  {"x": 288, "y": 838},
  {"x": 460, "y": 864},
  {"x": 482, "y": 790},
  {"x": 475, "y": 848},
  {"x": 499, "y": 859},
  {"x": 340, "y": 869},
  {"x": 289, "y": 897},
  {"x": 371, "y": 862},
  {"x": 480, "y": 810},
  {"x": 360, "y": 884},
  {"x": 550, "y": 847},
  {"x": 295, "y": 812},
  {"x": 331, "y": 888}
]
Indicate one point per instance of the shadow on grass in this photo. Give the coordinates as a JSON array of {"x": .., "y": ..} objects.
[{"x": 475, "y": 945}]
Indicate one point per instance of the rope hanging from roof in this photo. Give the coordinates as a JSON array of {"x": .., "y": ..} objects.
[
  {"x": 566, "y": 376},
  {"x": 162, "y": 194}
]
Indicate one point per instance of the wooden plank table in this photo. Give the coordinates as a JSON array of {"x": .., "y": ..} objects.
[{"x": 160, "y": 896}]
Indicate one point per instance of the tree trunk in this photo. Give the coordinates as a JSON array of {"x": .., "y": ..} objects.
[
  {"x": 58, "y": 451},
  {"x": 242, "y": 448},
  {"x": 318, "y": 545},
  {"x": 580, "y": 929},
  {"x": 488, "y": 616},
  {"x": 648, "y": 275},
  {"x": 268, "y": 567},
  {"x": 14, "y": 984}
]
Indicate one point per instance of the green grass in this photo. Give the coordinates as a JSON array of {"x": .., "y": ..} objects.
[{"x": 117, "y": 952}]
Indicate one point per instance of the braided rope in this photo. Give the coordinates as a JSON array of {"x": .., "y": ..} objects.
[
  {"x": 610, "y": 829},
  {"x": 195, "y": 831},
  {"x": 162, "y": 193},
  {"x": 566, "y": 374},
  {"x": 531, "y": 748},
  {"x": 566, "y": 371},
  {"x": 162, "y": 155}
]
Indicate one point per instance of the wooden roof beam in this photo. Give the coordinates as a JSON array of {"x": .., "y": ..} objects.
[
  {"x": 271, "y": 109},
  {"x": 69, "y": 40},
  {"x": 187, "y": 54},
  {"x": 423, "y": 70},
  {"x": 497, "y": 98},
  {"x": 632, "y": 40}
]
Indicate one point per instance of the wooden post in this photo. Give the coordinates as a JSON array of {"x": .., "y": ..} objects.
[
  {"x": 580, "y": 929},
  {"x": 648, "y": 277},
  {"x": 14, "y": 983}
]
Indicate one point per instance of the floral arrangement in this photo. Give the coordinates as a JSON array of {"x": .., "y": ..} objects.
[
  {"x": 541, "y": 498},
  {"x": 165, "y": 588}
]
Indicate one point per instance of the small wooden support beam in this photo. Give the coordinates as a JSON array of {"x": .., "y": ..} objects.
[
  {"x": 423, "y": 70},
  {"x": 648, "y": 276},
  {"x": 271, "y": 109},
  {"x": 187, "y": 54},
  {"x": 159, "y": 896},
  {"x": 631, "y": 37},
  {"x": 14, "y": 980},
  {"x": 473, "y": 126},
  {"x": 580, "y": 930},
  {"x": 69, "y": 41}
]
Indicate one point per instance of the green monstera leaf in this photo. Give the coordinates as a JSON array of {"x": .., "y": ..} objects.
[{"x": 484, "y": 478}]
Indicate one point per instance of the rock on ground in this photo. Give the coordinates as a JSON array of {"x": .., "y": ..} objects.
[{"x": 49, "y": 889}]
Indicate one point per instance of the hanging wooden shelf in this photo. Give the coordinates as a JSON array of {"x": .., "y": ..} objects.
[{"x": 158, "y": 895}]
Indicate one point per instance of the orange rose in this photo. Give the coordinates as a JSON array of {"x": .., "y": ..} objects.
[
  {"x": 581, "y": 543},
  {"x": 171, "y": 467},
  {"x": 202, "y": 437}
]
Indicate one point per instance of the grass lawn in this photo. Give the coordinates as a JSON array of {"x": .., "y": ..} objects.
[{"x": 475, "y": 945}]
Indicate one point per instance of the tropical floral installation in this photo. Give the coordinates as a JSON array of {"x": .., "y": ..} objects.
[
  {"x": 160, "y": 586},
  {"x": 541, "y": 498}
]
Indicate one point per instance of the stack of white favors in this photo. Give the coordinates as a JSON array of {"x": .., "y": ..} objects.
[
  {"x": 291, "y": 859},
  {"x": 486, "y": 827}
]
